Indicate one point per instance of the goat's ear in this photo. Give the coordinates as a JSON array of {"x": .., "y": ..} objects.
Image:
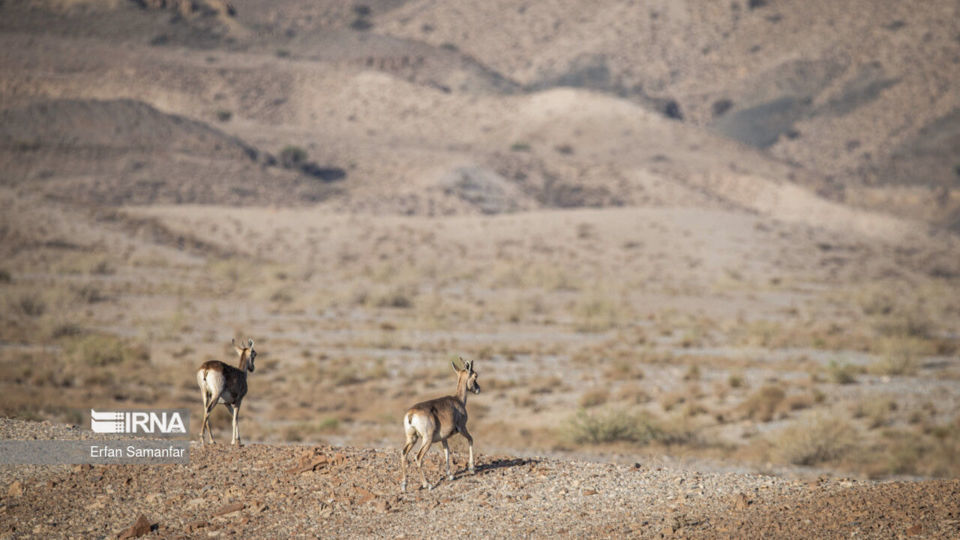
[
  {"x": 455, "y": 370},
  {"x": 250, "y": 343}
]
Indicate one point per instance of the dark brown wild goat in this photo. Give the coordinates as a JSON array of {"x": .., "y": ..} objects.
[
  {"x": 223, "y": 383},
  {"x": 438, "y": 419}
]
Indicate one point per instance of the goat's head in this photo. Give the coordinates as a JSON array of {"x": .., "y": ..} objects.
[
  {"x": 469, "y": 373},
  {"x": 249, "y": 351}
]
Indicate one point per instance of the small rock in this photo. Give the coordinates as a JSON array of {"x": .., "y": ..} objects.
[
  {"x": 742, "y": 502},
  {"x": 195, "y": 525},
  {"x": 589, "y": 492},
  {"x": 229, "y": 509},
  {"x": 139, "y": 528},
  {"x": 15, "y": 489},
  {"x": 915, "y": 530}
]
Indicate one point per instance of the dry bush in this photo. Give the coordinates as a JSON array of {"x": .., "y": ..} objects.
[
  {"x": 547, "y": 386},
  {"x": 818, "y": 440},
  {"x": 596, "y": 311},
  {"x": 692, "y": 409},
  {"x": 99, "y": 350},
  {"x": 762, "y": 404},
  {"x": 693, "y": 373},
  {"x": 876, "y": 411},
  {"x": 900, "y": 356},
  {"x": 29, "y": 304},
  {"x": 611, "y": 426},
  {"x": 633, "y": 393},
  {"x": 670, "y": 400},
  {"x": 594, "y": 397},
  {"x": 524, "y": 401},
  {"x": 841, "y": 372},
  {"x": 623, "y": 369},
  {"x": 797, "y": 402}
]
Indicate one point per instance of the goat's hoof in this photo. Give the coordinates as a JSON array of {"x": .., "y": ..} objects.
[
  {"x": 471, "y": 470},
  {"x": 403, "y": 487},
  {"x": 450, "y": 478}
]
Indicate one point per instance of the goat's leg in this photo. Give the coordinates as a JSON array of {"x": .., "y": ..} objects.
[
  {"x": 403, "y": 461},
  {"x": 203, "y": 423},
  {"x": 446, "y": 457},
  {"x": 236, "y": 424},
  {"x": 206, "y": 415},
  {"x": 233, "y": 423},
  {"x": 465, "y": 433},
  {"x": 420, "y": 453}
]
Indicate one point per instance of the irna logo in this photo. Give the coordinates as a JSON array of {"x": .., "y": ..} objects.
[{"x": 153, "y": 422}]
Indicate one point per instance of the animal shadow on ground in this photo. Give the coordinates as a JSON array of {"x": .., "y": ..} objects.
[{"x": 501, "y": 463}]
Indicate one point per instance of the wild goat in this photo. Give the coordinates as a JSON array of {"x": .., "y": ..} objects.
[
  {"x": 222, "y": 383},
  {"x": 438, "y": 419}
]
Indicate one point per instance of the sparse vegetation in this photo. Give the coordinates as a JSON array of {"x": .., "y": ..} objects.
[
  {"x": 594, "y": 397},
  {"x": 841, "y": 372},
  {"x": 611, "y": 426},
  {"x": 818, "y": 440},
  {"x": 763, "y": 404}
]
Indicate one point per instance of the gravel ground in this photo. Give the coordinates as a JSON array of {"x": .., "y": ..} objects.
[{"x": 273, "y": 491}]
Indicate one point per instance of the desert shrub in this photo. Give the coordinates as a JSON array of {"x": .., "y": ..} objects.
[
  {"x": 292, "y": 156},
  {"x": 594, "y": 397},
  {"x": 736, "y": 380},
  {"x": 611, "y": 426},
  {"x": 895, "y": 364},
  {"x": 30, "y": 304},
  {"x": 819, "y": 440},
  {"x": 65, "y": 329},
  {"x": 721, "y": 106},
  {"x": 596, "y": 312},
  {"x": 89, "y": 294},
  {"x": 362, "y": 21},
  {"x": 624, "y": 369},
  {"x": 520, "y": 147},
  {"x": 99, "y": 350},
  {"x": 670, "y": 400},
  {"x": 346, "y": 375},
  {"x": 5, "y": 276},
  {"x": 900, "y": 355},
  {"x": 102, "y": 267},
  {"x": 224, "y": 115},
  {"x": 634, "y": 393},
  {"x": 399, "y": 297},
  {"x": 841, "y": 372},
  {"x": 762, "y": 404},
  {"x": 282, "y": 296},
  {"x": 876, "y": 411}
]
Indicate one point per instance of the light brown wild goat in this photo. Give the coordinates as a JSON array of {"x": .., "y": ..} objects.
[
  {"x": 438, "y": 419},
  {"x": 223, "y": 383}
]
